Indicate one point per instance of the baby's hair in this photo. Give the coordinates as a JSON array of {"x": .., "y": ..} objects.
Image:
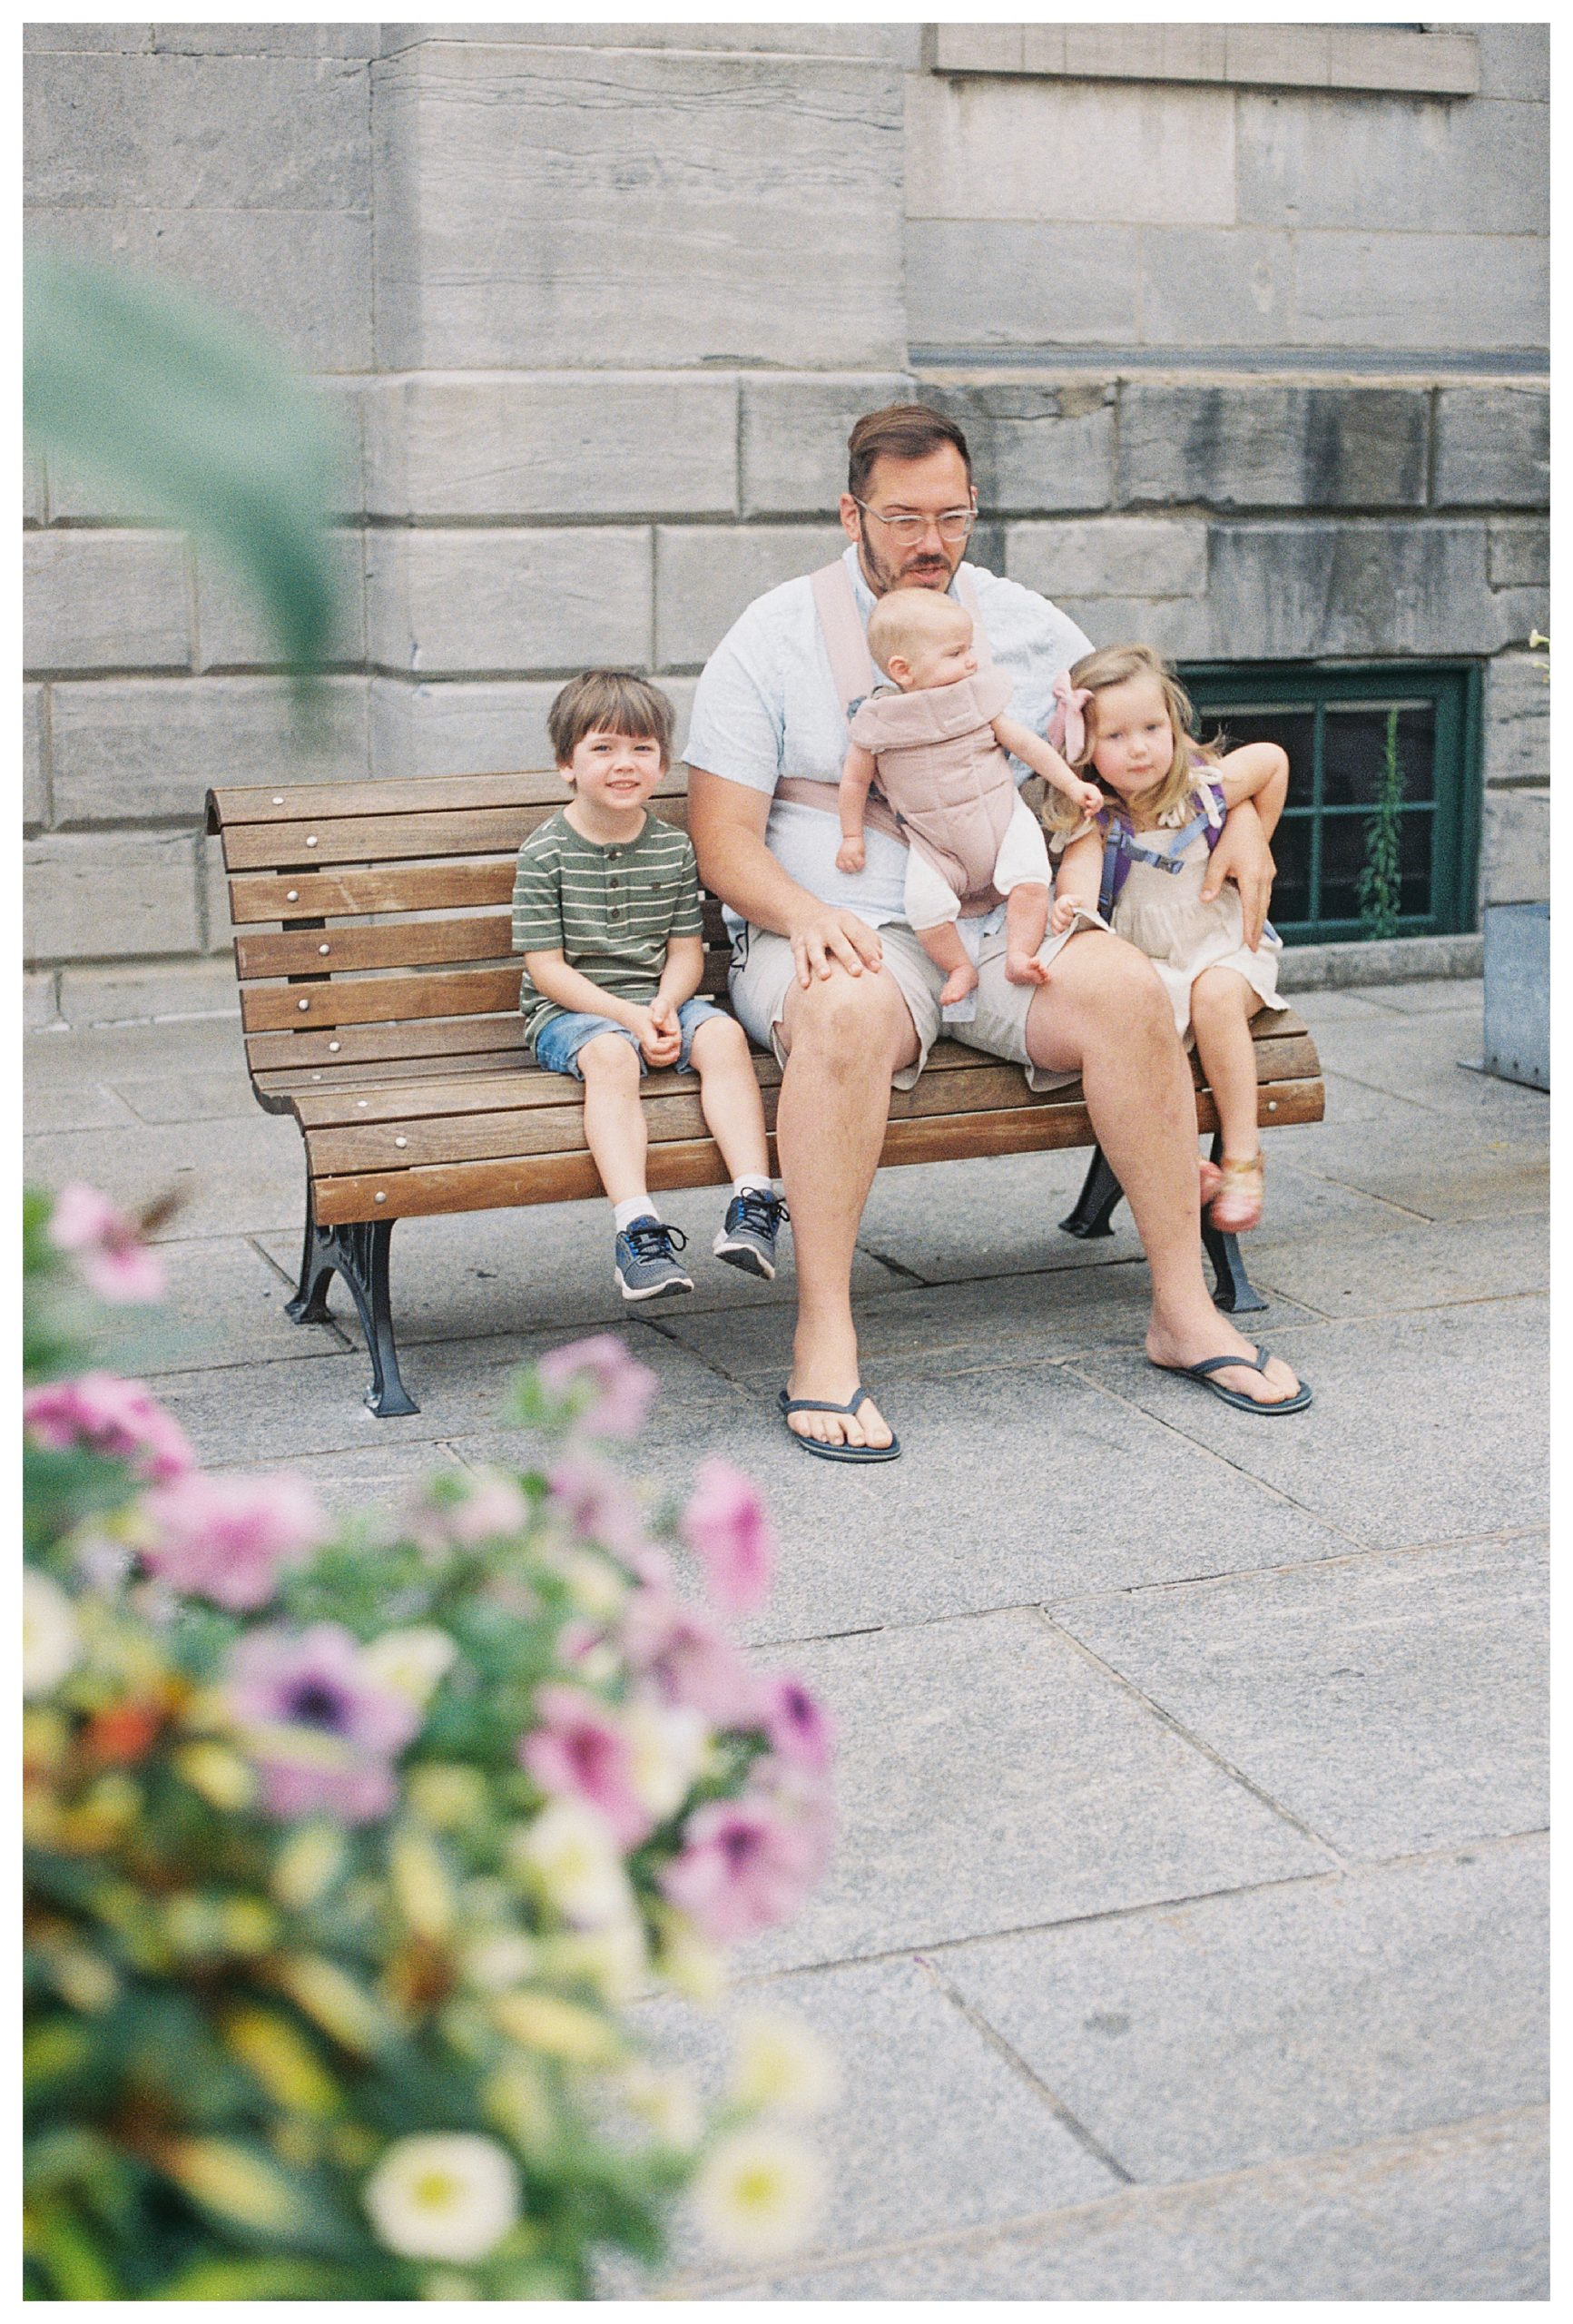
[
  {"x": 1116, "y": 665},
  {"x": 909, "y": 621},
  {"x": 610, "y": 702}
]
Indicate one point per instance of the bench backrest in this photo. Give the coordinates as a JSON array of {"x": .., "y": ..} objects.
[{"x": 373, "y": 922}]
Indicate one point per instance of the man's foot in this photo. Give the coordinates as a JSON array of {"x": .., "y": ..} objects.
[
  {"x": 1025, "y": 967},
  {"x": 747, "y": 1238},
  {"x": 866, "y": 1426},
  {"x": 646, "y": 1264},
  {"x": 1171, "y": 1353},
  {"x": 958, "y": 985}
]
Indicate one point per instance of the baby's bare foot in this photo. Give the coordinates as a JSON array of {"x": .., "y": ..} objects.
[
  {"x": 1025, "y": 967},
  {"x": 958, "y": 985}
]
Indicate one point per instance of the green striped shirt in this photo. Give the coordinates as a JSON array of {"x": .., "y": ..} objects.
[{"x": 610, "y": 911}]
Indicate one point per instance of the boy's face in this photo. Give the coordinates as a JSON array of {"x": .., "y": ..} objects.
[{"x": 618, "y": 772}]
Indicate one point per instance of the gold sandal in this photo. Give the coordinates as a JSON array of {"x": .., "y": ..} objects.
[{"x": 1237, "y": 1205}]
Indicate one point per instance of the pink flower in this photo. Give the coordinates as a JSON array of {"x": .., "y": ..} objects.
[
  {"x": 109, "y": 1415},
  {"x": 580, "y": 1749},
  {"x": 692, "y": 1663},
  {"x": 743, "y": 1868},
  {"x": 726, "y": 1526},
  {"x": 596, "y": 1505},
  {"x": 227, "y": 1538},
  {"x": 799, "y": 1731},
  {"x": 320, "y": 1726},
  {"x": 110, "y": 1250},
  {"x": 610, "y": 1391},
  {"x": 493, "y": 1510}
]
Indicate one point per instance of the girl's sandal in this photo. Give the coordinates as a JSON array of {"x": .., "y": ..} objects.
[
  {"x": 1209, "y": 1180},
  {"x": 1237, "y": 1205}
]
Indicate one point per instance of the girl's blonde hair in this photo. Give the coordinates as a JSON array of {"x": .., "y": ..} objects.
[{"x": 1116, "y": 665}]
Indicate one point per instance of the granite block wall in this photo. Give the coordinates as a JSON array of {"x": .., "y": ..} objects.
[{"x": 596, "y": 305}]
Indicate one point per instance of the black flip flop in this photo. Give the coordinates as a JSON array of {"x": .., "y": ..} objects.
[
  {"x": 1201, "y": 1374},
  {"x": 858, "y": 1452}
]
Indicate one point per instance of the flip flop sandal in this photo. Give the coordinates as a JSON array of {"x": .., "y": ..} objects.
[
  {"x": 857, "y": 1453},
  {"x": 1201, "y": 1374}
]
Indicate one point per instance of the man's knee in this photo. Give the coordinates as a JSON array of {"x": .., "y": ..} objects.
[{"x": 847, "y": 1021}]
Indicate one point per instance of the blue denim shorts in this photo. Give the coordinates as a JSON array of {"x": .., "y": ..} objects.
[{"x": 557, "y": 1044}]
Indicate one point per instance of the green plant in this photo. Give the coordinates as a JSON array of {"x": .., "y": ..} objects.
[
  {"x": 190, "y": 418},
  {"x": 347, "y": 1846},
  {"x": 1379, "y": 888}
]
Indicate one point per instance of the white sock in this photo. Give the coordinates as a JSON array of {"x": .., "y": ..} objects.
[
  {"x": 751, "y": 1181},
  {"x": 636, "y": 1206}
]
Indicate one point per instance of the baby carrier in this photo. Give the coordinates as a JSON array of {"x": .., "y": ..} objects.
[{"x": 1122, "y": 848}]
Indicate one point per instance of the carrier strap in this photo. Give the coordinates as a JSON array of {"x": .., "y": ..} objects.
[{"x": 1122, "y": 848}]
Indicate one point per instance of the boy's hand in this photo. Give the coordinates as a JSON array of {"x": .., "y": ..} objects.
[
  {"x": 849, "y": 855},
  {"x": 660, "y": 1034}
]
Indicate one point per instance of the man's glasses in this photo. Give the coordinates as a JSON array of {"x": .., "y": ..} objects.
[{"x": 953, "y": 525}]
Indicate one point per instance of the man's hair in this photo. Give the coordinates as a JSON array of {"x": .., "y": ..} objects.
[
  {"x": 901, "y": 431},
  {"x": 909, "y": 621},
  {"x": 610, "y": 702}
]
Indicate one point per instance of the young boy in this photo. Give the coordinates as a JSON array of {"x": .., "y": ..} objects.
[{"x": 606, "y": 914}]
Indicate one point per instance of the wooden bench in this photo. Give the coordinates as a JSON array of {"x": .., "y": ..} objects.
[{"x": 380, "y": 1005}]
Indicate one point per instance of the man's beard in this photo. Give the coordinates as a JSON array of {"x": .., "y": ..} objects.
[{"x": 926, "y": 572}]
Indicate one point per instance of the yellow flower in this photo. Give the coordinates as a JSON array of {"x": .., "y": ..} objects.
[
  {"x": 308, "y": 1864},
  {"x": 222, "y": 1778},
  {"x": 447, "y": 1797},
  {"x": 331, "y": 1998},
  {"x": 84, "y": 1980},
  {"x": 410, "y": 1661},
  {"x": 287, "y": 2067},
  {"x": 780, "y": 2067},
  {"x": 666, "y": 2099},
  {"x": 596, "y": 1587},
  {"x": 758, "y": 2193},
  {"x": 227, "y": 2179},
  {"x": 560, "y": 2029},
  {"x": 576, "y": 1861},
  {"x": 448, "y": 2195},
  {"x": 515, "y": 2099},
  {"x": 667, "y": 1748},
  {"x": 612, "y": 1959},
  {"x": 496, "y": 1962},
  {"x": 689, "y": 1964},
  {"x": 421, "y": 1885}
]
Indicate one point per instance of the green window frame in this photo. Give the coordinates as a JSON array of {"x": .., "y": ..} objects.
[{"x": 1332, "y": 722}]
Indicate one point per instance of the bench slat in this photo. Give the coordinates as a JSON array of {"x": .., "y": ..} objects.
[
  {"x": 281, "y": 802},
  {"x": 374, "y": 1045},
  {"x": 328, "y": 895},
  {"x": 304, "y": 844},
  {"x": 380, "y": 1001},
  {"x": 696, "y": 1162},
  {"x": 396, "y": 944}
]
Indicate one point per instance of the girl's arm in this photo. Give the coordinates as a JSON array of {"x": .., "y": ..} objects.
[
  {"x": 1034, "y": 752},
  {"x": 1077, "y": 880},
  {"x": 857, "y": 774},
  {"x": 1254, "y": 772}
]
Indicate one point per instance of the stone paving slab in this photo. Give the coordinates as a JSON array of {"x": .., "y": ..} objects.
[
  {"x": 1200, "y": 2039},
  {"x": 1458, "y": 2215},
  {"x": 226, "y": 1307},
  {"x": 77, "y": 1105},
  {"x": 1427, "y": 1062},
  {"x": 1437, "y": 1165},
  {"x": 216, "y": 1093},
  {"x": 989, "y": 1777},
  {"x": 251, "y": 1179},
  {"x": 1375, "y": 1261},
  {"x": 1392, "y": 1702},
  {"x": 927, "y": 2103},
  {"x": 1427, "y": 997},
  {"x": 78, "y": 1056},
  {"x": 370, "y": 1479},
  {"x": 1037, "y": 1448},
  {"x": 1425, "y": 1427},
  {"x": 993, "y": 1218}
]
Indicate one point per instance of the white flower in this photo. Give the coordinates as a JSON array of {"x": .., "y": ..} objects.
[
  {"x": 449, "y": 2195},
  {"x": 596, "y": 1587},
  {"x": 691, "y": 1963},
  {"x": 497, "y": 1963},
  {"x": 667, "y": 1748},
  {"x": 758, "y": 2193},
  {"x": 409, "y": 1662},
  {"x": 612, "y": 1958},
  {"x": 572, "y": 1854},
  {"x": 781, "y": 2066},
  {"x": 666, "y": 2099},
  {"x": 51, "y": 1636}
]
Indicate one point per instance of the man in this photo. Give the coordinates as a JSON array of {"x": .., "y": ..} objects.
[{"x": 826, "y": 973}]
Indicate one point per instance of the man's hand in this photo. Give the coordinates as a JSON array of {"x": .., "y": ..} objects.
[
  {"x": 660, "y": 1034},
  {"x": 1244, "y": 856},
  {"x": 824, "y": 936},
  {"x": 852, "y": 853}
]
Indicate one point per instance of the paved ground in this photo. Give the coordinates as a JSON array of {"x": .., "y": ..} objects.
[{"x": 1185, "y": 1939}]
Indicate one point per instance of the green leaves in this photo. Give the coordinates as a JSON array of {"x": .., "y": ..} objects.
[
  {"x": 194, "y": 421},
  {"x": 1378, "y": 887}
]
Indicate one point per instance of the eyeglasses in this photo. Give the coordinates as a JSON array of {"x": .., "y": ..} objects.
[{"x": 952, "y": 524}]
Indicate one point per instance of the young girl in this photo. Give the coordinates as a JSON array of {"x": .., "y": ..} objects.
[{"x": 1126, "y": 721}]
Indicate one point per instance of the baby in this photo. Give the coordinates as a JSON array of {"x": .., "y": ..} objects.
[{"x": 936, "y": 738}]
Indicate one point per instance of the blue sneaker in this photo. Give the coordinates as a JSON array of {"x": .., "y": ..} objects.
[
  {"x": 748, "y": 1233},
  {"x": 647, "y": 1266}
]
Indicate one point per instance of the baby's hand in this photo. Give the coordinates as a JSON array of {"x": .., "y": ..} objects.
[
  {"x": 1090, "y": 796},
  {"x": 849, "y": 855},
  {"x": 1066, "y": 909}
]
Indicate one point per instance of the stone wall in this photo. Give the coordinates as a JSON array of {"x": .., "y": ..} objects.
[{"x": 597, "y": 306}]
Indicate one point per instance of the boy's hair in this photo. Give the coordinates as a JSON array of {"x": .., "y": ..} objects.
[
  {"x": 909, "y": 621},
  {"x": 899, "y": 431},
  {"x": 1116, "y": 665},
  {"x": 610, "y": 702}
]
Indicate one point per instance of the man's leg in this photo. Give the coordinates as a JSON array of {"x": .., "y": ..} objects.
[
  {"x": 844, "y": 1038},
  {"x": 1104, "y": 1014}
]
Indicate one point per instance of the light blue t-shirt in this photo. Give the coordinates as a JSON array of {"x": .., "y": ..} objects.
[{"x": 767, "y": 705}]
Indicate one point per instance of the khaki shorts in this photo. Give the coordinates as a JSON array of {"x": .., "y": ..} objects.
[{"x": 762, "y": 975}]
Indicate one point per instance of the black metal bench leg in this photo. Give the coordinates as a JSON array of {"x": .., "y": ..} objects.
[
  {"x": 1236, "y": 1295},
  {"x": 359, "y": 1253},
  {"x": 1095, "y": 1204}
]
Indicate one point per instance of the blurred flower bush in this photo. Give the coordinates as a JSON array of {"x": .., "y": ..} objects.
[{"x": 348, "y": 1847}]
